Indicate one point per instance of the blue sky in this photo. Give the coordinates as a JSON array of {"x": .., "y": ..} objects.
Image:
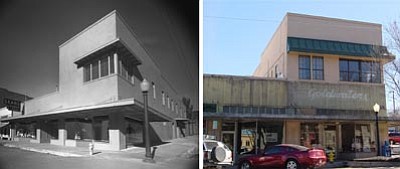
[{"x": 236, "y": 32}]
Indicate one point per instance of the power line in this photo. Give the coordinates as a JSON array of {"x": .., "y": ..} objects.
[{"x": 242, "y": 19}]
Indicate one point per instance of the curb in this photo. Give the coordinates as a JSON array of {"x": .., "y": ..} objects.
[
  {"x": 372, "y": 164},
  {"x": 44, "y": 151}
]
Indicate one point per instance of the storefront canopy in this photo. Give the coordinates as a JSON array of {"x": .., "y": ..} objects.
[{"x": 128, "y": 108}]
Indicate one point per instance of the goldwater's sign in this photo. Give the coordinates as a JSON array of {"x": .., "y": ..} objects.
[
  {"x": 334, "y": 96},
  {"x": 330, "y": 93}
]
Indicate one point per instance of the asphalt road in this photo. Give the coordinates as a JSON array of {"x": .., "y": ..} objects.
[{"x": 12, "y": 158}]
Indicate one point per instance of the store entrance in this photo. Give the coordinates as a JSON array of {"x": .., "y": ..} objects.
[
  {"x": 227, "y": 138},
  {"x": 330, "y": 137}
]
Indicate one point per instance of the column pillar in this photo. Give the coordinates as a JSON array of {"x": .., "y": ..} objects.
[
  {"x": 62, "y": 132},
  {"x": 13, "y": 132},
  {"x": 116, "y": 63},
  {"x": 117, "y": 132},
  {"x": 174, "y": 130}
]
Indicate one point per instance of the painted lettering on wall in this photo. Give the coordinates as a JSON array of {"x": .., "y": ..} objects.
[{"x": 332, "y": 94}]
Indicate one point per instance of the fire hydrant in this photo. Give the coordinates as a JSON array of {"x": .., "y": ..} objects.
[
  {"x": 331, "y": 156},
  {"x": 153, "y": 153},
  {"x": 91, "y": 148}
]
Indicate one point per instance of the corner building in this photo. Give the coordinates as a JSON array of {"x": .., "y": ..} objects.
[
  {"x": 99, "y": 97},
  {"x": 315, "y": 85}
]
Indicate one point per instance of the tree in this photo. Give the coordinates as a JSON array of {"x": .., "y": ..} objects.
[{"x": 392, "y": 69}]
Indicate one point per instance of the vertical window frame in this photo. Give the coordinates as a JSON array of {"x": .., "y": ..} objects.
[{"x": 304, "y": 71}]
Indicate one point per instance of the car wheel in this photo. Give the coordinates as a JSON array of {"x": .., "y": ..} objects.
[
  {"x": 292, "y": 164},
  {"x": 218, "y": 154},
  {"x": 245, "y": 165}
]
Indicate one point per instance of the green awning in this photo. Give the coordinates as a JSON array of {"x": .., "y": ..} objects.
[{"x": 336, "y": 47}]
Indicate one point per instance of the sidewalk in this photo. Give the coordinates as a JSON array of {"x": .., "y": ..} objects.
[{"x": 181, "y": 148}]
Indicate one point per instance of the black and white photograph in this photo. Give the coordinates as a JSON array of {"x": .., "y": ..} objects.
[{"x": 99, "y": 84}]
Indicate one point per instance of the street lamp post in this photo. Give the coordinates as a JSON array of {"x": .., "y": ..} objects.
[
  {"x": 144, "y": 86},
  {"x": 376, "y": 109}
]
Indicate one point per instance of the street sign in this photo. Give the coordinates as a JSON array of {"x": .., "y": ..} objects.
[{"x": 13, "y": 105}]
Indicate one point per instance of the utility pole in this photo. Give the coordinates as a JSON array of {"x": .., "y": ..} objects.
[{"x": 394, "y": 103}]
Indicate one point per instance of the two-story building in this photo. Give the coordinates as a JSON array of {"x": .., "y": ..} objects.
[
  {"x": 315, "y": 85},
  {"x": 99, "y": 97},
  {"x": 11, "y": 104}
]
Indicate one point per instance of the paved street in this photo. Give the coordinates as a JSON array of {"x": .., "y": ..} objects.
[
  {"x": 11, "y": 158},
  {"x": 179, "y": 153},
  {"x": 372, "y": 168}
]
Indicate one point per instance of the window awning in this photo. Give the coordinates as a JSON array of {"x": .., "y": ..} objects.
[
  {"x": 336, "y": 48},
  {"x": 115, "y": 45}
]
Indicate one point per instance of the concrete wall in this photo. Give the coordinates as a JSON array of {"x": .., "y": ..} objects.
[
  {"x": 149, "y": 70},
  {"x": 73, "y": 92},
  {"x": 244, "y": 91},
  {"x": 336, "y": 96},
  {"x": 248, "y": 91},
  {"x": 89, "y": 40}
]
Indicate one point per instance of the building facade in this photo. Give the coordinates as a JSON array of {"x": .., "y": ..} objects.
[
  {"x": 12, "y": 104},
  {"x": 315, "y": 86},
  {"x": 99, "y": 97}
]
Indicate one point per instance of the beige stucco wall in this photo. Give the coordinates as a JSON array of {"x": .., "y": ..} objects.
[
  {"x": 274, "y": 53},
  {"x": 316, "y": 27}
]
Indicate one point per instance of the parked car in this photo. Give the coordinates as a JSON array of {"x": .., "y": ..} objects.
[
  {"x": 286, "y": 156},
  {"x": 394, "y": 137},
  {"x": 216, "y": 153}
]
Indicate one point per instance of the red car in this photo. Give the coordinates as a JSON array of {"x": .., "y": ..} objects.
[
  {"x": 394, "y": 137},
  {"x": 286, "y": 156}
]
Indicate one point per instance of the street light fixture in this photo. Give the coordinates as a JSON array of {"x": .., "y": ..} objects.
[
  {"x": 144, "y": 86},
  {"x": 376, "y": 110}
]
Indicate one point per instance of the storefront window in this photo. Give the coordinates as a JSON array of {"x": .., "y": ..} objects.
[
  {"x": 134, "y": 132},
  {"x": 100, "y": 127},
  {"x": 52, "y": 128},
  {"x": 309, "y": 135},
  {"x": 362, "y": 140},
  {"x": 26, "y": 130},
  {"x": 357, "y": 138},
  {"x": 79, "y": 129}
]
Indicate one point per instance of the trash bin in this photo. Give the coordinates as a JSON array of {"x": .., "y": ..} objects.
[{"x": 386, "y": 151}]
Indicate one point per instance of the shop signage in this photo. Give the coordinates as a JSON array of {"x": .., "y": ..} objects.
[
  {"x": 215, "y": 124},
  {"x": 330, "y": 93},
  {"x": 272, "y": 137}
]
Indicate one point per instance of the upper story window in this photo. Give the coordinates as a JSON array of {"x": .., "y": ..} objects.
[
  {"x": 318, "y": 68},
  {"x": 97, "y": 68},
  {"x": 163, "y": 97},
  {"x": 168, "y": 103},
  {"x": 126, "y": 69},
  {"x": 304, "y": 67},
  {"x": 359, "y": 71},
  {"x": 154, "y": 90},
  {"x": 311, "y": 71}
]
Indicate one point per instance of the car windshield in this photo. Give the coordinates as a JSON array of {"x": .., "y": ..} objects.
[
  {"x": 210, "y": 145},
  {"x": 394, "y": 134}
]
